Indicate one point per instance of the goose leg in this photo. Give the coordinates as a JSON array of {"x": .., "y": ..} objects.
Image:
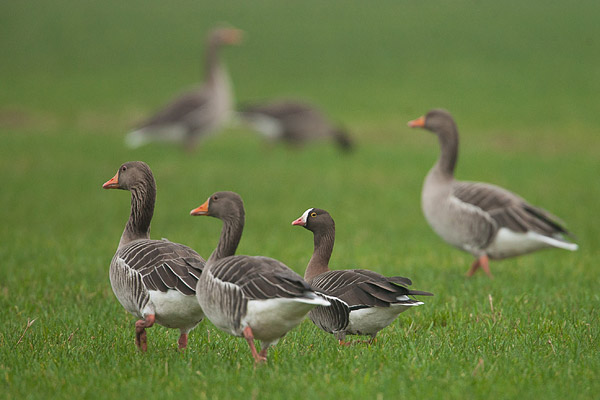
[
  {"x": 341, "y": 337},
  {"x": 485, "y": 266},
  {"x": 140, "y": 331},
  {"x": 483, "y": 263},
  {"x": 263, "y": 352},
  {"x": 249, "y": 336},
  {"x": 183, "y": 340}
]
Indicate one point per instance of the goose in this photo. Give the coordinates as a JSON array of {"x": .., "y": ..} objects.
[
  {"x": 482, "y": 219},
  {"x": 155, "y": 280},
  {"x": 196, "y": 113},
  {"x": 293, "y": 122},
  {"x": 249, "y": 296},
  {"x": 363, "y": 302}
]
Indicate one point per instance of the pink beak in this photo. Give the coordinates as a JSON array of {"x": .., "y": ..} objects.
[{"x": 299, "y": 221}]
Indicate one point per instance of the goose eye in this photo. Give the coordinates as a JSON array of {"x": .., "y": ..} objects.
[
  {"x": 123, "y": 168},
  {"x": 215, "y": 197},
  {"x": 313, "y": 214}
]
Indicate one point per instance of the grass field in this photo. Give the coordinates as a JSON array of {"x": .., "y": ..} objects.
[{"x": 522, "y": 80}]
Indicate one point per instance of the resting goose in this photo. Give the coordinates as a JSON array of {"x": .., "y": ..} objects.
[
  {"x": 198, "y": 112},
  {"x": 253, "y": 297},
  {"x": 155, "y": 280},
  {"x": 293, "y": 122},
  {"x": 482, "y": 219},
  {"x": 363, "y": 302}
]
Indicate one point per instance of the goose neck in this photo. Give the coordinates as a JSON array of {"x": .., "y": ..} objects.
[
  {"x": 143, "y": 198},
  {"x": 323, "y": 247},
  {"x": 448, "y": 151},
  {"x": 230, "y": 238}
]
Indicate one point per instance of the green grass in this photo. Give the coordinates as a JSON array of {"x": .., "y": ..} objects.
[{"x": 522, "y": 81}]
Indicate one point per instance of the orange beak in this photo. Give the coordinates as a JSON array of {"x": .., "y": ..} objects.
[
  {"x": 202, "y": 210},
  {"x": 113, "y": 183},
  {"x": 417, "y": 123},
  {"x": 233, "y": 36}
]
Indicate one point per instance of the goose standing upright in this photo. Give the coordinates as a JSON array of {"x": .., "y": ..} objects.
[
  {"x": 482, "y": 219},
  {"x": 249, "y": 296},
  {"x": 155, "y": 280},
  {"x": 293, "y": 122},
  {"x": 363, "y": 302},
  {"x": 198, "y": 112}
]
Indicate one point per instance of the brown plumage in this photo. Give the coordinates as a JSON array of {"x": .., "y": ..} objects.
[{"x": 362, "y": 302}]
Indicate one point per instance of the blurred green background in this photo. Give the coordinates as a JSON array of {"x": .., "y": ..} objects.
[{"x": 522, "y": 80}]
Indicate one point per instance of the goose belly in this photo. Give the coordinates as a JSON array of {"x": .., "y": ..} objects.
[
  {"x": 273, "y": 318},
  {"x": 369, "y": 321},
  {"x": 176, "y": 310},
  {"x": 508, "y": 243}
]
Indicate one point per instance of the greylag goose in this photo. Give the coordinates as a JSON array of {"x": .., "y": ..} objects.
[
  {"x": 198, "y": 112},
  {"x": 293, "y": 122},
  {"x": 363, "y": 302},
  {"x": 155, "y": 280},
  {"x": 249, "y": 296},
  {"x": 482, "y": 219}
]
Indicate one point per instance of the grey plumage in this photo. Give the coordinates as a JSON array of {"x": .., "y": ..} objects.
[
  {"x": 483, "y": 219},
  {"x": 293, "y": 122},
  {"x": 154, "y": 280},
  {"x": 250, "y": 296},
  {"x": 198, "y": 112}
]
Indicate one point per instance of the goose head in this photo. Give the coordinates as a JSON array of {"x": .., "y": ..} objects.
[
  {"x": 222, "y": 205},
  {"x": 225, "y": 36},
  {"x": 315, "y": 220},
  {"x": 130, "y": 175},
  {"x": 437, "y": 121}
]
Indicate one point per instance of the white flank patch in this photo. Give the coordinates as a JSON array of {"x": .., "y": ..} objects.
[
  {"x": 270, "y": 127},
  {"x": 168, "y": 133},
  {"x": 508, "y": 243},
  {"x": 368, "y": 321},
  {"x": 175, "y": 310},
  {"x": 271, "y": 319}
]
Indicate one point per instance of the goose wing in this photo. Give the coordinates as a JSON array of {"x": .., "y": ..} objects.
[
  {"x": 164, "y": 265},
  {"x": 180, "y": 109},
  {"x": 362, "y": 288},
  {"x": 508, "y": 209},
  {"x": 260, "y": 278}
]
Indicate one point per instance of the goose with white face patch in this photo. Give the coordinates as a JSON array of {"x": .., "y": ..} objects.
[
  {"x": 482, "y": 219},
  {"x": 363, "y": 302},
  {"x": 249, "y": 296},
  {"x": 155, "y": 280},
  {"x": 198, "y": 112}
]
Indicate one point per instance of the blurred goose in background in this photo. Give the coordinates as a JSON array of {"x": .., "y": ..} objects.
[
  {"x": 363, "y": 302},
  {"x": 482, "y": 219},
  {"x": 196, "y": 113},
  {"x": 155, "y": 280},
  {"x": 252, "y": 297},
  {"x": 293, "y": 122}
]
